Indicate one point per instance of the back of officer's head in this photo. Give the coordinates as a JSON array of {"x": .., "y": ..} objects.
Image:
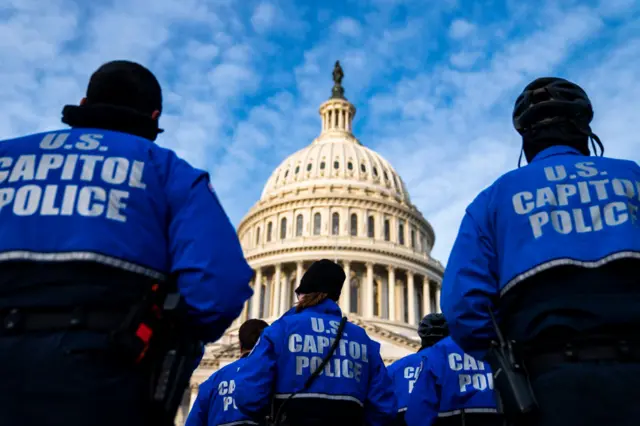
[
  {"x": 122, "y": 96},
  {"x": 553, "y": 111},
  {"x": 432, "y": 329},
  {"x": 323, "y": 280},
  {"x": 250, "y": 332}
]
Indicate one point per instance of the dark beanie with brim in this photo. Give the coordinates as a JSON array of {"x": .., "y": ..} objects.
[{"x": 323, "y": 276}]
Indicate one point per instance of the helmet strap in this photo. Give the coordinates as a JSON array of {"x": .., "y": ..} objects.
[
  {"x": 520, "y": 158},
  {"x": 593, "y": 138}
]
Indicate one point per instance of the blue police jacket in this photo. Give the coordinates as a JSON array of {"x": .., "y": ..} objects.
[
  {"x": 292, "y": 348},
  {"x": 450, "y": 382},
  {"x": 120, "y": 200},
  {"x": 403, "y": 374},
  {"x": 563, "y": 208},
  {"x": 215, "y": 405}
]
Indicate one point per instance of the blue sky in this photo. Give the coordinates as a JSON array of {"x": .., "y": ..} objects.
[{"x": 434, "y": 82}]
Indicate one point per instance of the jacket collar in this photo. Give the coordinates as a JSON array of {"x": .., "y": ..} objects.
[
  {"x": 556, "y": 150},
  {"x": 327, "y": 306}
]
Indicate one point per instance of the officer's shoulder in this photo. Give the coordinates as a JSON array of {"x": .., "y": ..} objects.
[
  {"x": 621, "y": 162},
  {"x": 413, "y": 359},
  {"x": 33, "y": 136},
  {"x": 487, "y": 195},
  {"x": 226, "y": 372},
  {"x": 448, "y": 345},
  {"x": 355, "y": 328},
  {"x": 442, "y": 346},
  {"x": 210, "y": 382},
  {"x": 399, "y": 363}
]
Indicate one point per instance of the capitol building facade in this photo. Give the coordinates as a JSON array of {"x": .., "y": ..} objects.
[{"x": 339, "y": 200}]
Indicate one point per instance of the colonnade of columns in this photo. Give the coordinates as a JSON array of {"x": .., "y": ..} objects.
[{"x": 371, "y": 290}]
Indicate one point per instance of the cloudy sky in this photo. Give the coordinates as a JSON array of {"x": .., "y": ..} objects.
[{"x": 433, "y": 81}]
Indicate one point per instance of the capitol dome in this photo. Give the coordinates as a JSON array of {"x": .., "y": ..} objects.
[
  {"x": 339, "y": 200},
  {"x": 335, "y": 156}
]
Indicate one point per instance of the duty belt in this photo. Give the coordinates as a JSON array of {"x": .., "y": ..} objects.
[
  {"x": 19, "y": 320},
  {"x": 621, "y": 351}
]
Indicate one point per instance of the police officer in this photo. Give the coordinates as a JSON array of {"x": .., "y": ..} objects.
[
  {"x": 215, "y": 405},
  {"x": 404, "y": 372},
  {"x": 452, "y": 388},
  {"x": 553, "y": 250},
  {"x": 353, "y": 387},
  {"x": 94, "y": 220}
]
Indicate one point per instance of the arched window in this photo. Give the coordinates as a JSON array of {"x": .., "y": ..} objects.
[
  {"x": 317, "y": 224},
  {"x": 257, "y": 235},
  {"x": 335, "y": 224},
  {"x": 299, "y": 224},
  {"x": 371, "y": 230},
  {"x": 401, "y": 232},
  {"x": 387, "y": 230},
  {"x": 283, "y": 228},
  {"x": 354, "y": 225},
  {"x": 269, "y": 231}
]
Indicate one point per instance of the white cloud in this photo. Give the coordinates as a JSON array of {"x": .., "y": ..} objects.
[
  {"x": 348, "y": 27},
  {"x": 465, "y": 59},
  {"x": 264, "y": 17},
  {"x": 461, "y": 28}
]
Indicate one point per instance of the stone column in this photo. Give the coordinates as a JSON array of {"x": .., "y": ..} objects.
[
  {"x": 400, "y": 301},
  {"x": 243, "y": 313},
  {"x": 391, "y": 293},
  {"x": 284, "y": 295},
  {"x": 345, "y": 297},
  {"x": 368, "y": 297},
  {"x": 179, "y": 420},
  {"x": 194, "y": 395},
  {"x": 411, "y": 298},
  {"x": 275, "y": 303},
  {"x": 257, "y": 294},
  {"x": 438, "y": 297},
  {"x": 426, "y": 296}
]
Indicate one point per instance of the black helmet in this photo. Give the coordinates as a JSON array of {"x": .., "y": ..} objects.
[
  {"x": 432, "y": 328},
  {"x": 550, "y": 99}
]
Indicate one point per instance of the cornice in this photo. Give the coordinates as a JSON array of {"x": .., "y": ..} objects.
[
  {"x": 308, "y": 250},
  {"x": 278, "y": 205}
]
